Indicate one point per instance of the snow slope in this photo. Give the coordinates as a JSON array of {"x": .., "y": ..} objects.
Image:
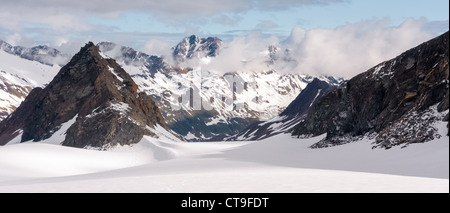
[
  {"x": 18, "y": 77},
  {"x": 33, "y": 72},
  {"x": 277, "y": 164}
]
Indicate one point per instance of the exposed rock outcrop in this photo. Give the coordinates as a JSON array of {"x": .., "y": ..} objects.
[{"x": 98, "y": 93}]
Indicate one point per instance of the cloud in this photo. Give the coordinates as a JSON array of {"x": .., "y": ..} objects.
[
  {"x": 14, "y": 39},
  {"x": 159, "y": 48},
  {"x": 73, "y": 19},
  {"x": 342, "y": 52},
  {"x": 69, "y": 14},
  {"x": 267, "y": 24},
  {"x": 227, "y": 19},
  {"x": 286, "y": 4},
  {"x": 354, "y": 48},
  {"x": 243, "y": 54},
  {"x": 172, "y": 7}
]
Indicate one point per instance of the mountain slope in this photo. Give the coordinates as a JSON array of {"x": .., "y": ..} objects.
[
  {"x": 290, "y": 116},
  {"x": 21, "y": 70},
  {"x": 96, "y": 95},
  {"x": 312, "y": 93},
  {"x": 398, "y": 101}
]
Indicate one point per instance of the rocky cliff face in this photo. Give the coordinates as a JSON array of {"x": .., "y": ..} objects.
[
  {"x": 397, "y": 100},
  {"x": 98, "y": 94}
]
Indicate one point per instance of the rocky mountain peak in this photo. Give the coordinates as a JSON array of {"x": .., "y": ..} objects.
[
  {"x": 96, "y": 93},
  {"x": 193, "y": 46},
  {"x": 193, "y": 40}
]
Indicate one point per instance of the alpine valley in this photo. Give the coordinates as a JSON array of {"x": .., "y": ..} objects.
[{"x": 113, "y": 119}]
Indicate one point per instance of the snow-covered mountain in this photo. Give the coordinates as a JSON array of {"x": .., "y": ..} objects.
[
  {"x": 196, "y": 47},
  {"x": 22, "y": 69},
  {"x": 290, "y": 117},
  {"x": 219, "y": 105},
  {"x": 236, "y": 99}
]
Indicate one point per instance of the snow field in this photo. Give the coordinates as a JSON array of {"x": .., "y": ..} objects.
[{"x": 277, "y": 164}]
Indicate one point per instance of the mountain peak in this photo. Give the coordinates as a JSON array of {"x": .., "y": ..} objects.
[
  {"x": 90, "y": 48},
  {"x": 193, "y": 39},
  {"x": 193, "y": 46},
  {"x": 97, "y": 95}
]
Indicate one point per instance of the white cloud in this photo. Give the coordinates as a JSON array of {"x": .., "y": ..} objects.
[
  {"x": 342, "y": 52},
  {"x": 159, "y": 48},
  {"x": 354, "y": 48},
  {"x": 65, "y": 15},
  {"x": 53, "y": 19},
  {"x": 172, "y": 7},
  {"x": 284, "y": 4},
  {"x": 267, "y": 24},
  {"x": 244, "y": 53},
  {"x": 227, "y": 19},
  {"x": 14, "y": 39},
  {"x": 297, "y": 36}
]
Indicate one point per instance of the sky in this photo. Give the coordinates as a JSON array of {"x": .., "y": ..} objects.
[{"x": 154, "y": 26}]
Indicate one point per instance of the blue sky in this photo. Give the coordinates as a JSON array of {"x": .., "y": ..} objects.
[
  {"x": 281, "y": 21},
  {"x": 66, "y": 24}
]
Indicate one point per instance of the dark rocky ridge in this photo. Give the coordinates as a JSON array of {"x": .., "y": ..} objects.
[
  {"x": 379, "y": 100},
  {"x": 312, "y": 93},
  {"x": 99, "y": 92}
]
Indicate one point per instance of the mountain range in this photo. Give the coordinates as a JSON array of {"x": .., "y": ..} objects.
[
  {"x": 163, "y": 79},
  {"x": 123, "y": 94}
]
